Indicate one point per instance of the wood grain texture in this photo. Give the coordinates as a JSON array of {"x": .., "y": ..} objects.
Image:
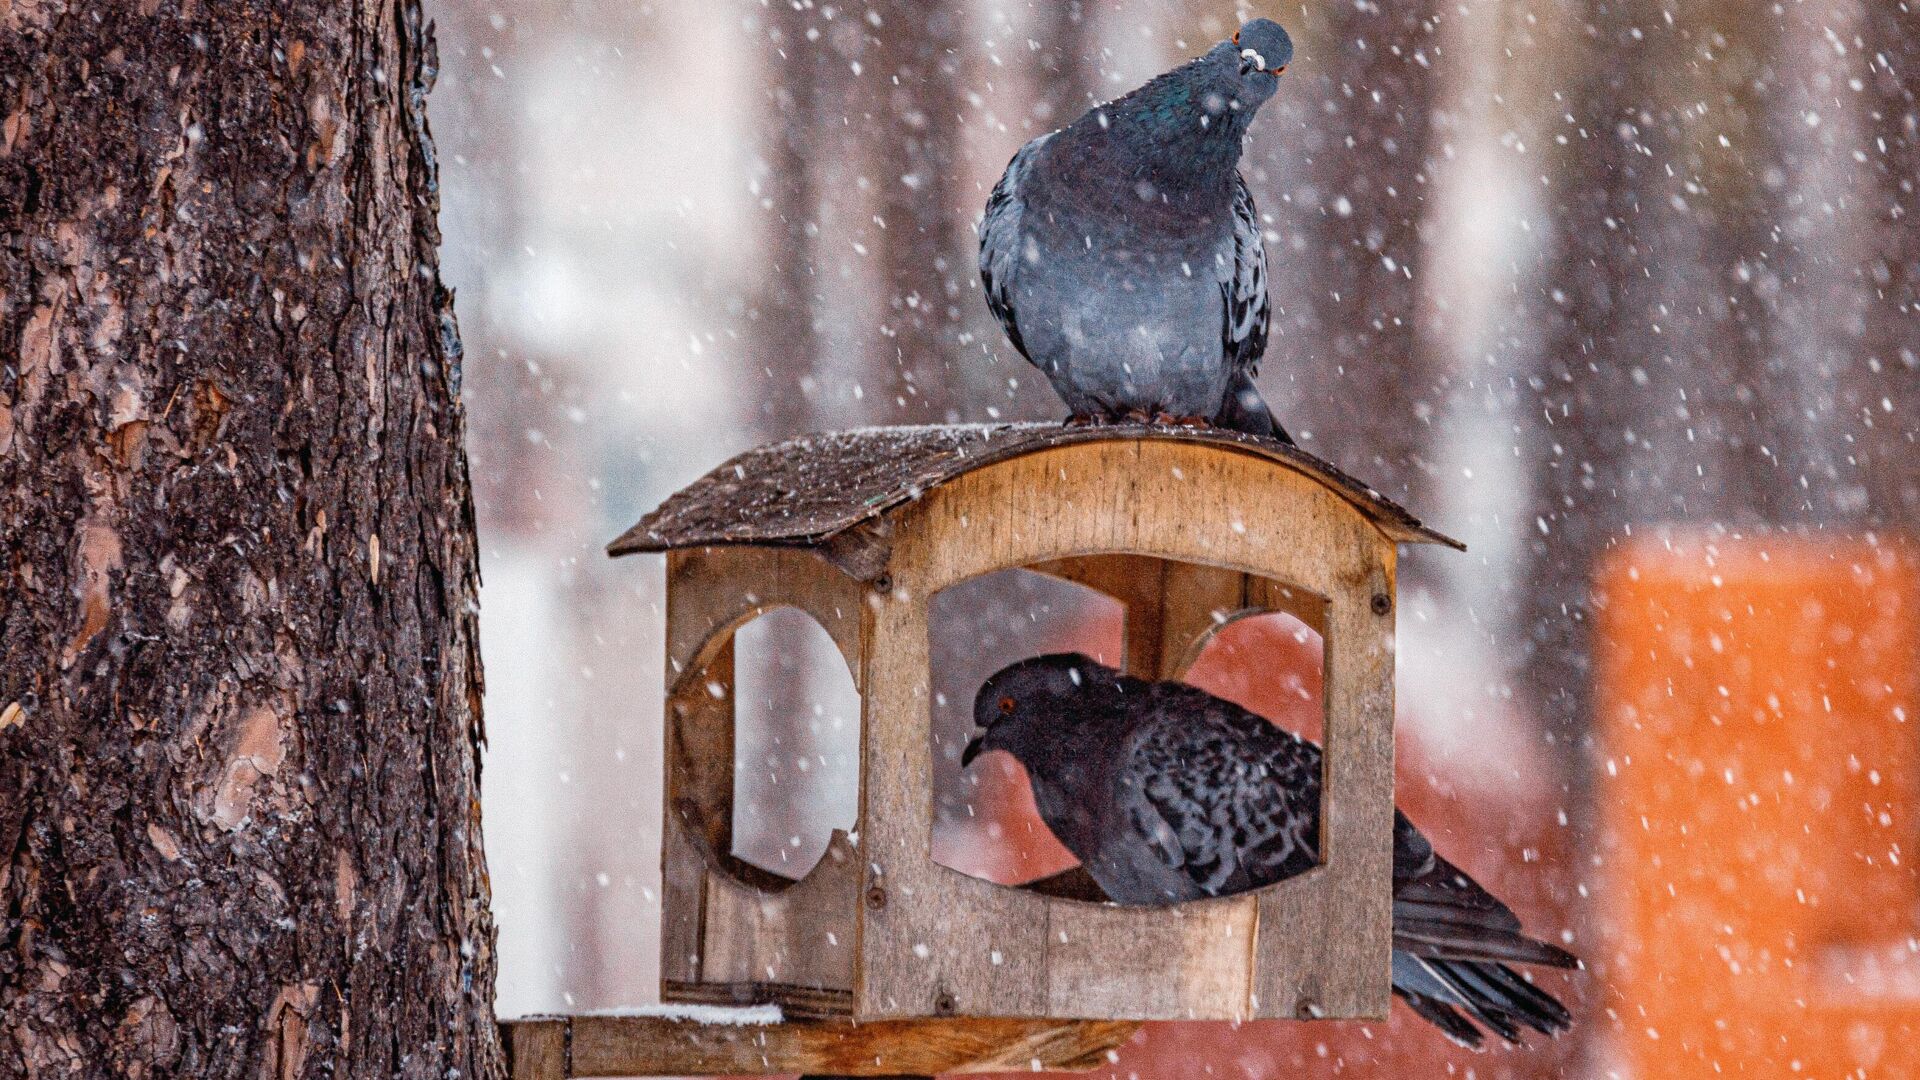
[
  {"x": 801, "y": 937},
  {"x": 1173, "y": 609},
  {"x": 537, "y": 1048},
  {"x": 807, "y": 490},
  {"x": 933, "y": 941},
  {"x": 1197, "y": 601},
  {"x": 658, "y": 1046},
  {"x": 1192, "y": 961},
  {"x": 1317, "y": 939}
]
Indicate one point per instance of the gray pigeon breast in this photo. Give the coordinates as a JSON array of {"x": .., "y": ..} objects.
[
  {"x": 1128, "y": 300},
  {"x": 1120, "y": 319}
]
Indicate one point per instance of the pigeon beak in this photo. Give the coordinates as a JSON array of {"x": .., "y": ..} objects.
[{"x": 972, "y": 751}]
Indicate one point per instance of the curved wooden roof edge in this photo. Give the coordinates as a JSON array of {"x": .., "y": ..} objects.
[{"x": 809, "y": 490}]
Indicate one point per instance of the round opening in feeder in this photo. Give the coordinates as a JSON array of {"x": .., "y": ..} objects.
[{"x": 796, "y": 718}]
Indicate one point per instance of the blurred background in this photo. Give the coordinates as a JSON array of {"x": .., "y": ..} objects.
[{"x": 1621, "y": 293}]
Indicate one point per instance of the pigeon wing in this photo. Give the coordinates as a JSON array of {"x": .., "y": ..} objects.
[
  {"x": 1243, "y": 286},
  {"x": 1220, "y": 793},
  {"x": 1002, "y": 247}
]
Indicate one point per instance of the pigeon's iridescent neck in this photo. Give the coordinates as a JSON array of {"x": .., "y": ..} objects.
[{"x": 1181, "y": 133}]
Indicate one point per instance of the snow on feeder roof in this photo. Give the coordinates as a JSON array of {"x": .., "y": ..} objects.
[{"x": 813, "y": 489}]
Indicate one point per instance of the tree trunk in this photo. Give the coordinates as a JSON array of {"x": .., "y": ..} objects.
[
  {"x": 1663, "y": 386},
  {"x": 787, "y": 347},
  {"x": 1747, "y": 407},
  {"x": 1068, "y": 50},
  {"x": 239, "y": 677},
  {"x": 1582, "y": 412}
]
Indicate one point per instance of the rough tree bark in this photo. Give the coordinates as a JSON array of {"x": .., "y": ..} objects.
[{"x": 239, "y": 828}]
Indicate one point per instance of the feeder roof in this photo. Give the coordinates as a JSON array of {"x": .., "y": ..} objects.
[{"x": 809, "y": 490}]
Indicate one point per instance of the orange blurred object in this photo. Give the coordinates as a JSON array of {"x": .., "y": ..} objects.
[{"x": 1758, "y": 801}]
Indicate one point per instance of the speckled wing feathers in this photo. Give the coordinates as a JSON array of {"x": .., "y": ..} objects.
[
  {"x": 1168, "y": 794},
  {"x": 1219, "y": 792},
  {"x": 1243, "y": 286}
]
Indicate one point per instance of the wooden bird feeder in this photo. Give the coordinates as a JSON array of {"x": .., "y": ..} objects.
[{"x": 1188, "y": 529}]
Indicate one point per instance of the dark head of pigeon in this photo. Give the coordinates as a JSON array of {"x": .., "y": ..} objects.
[
  {"x": 1263, "y": 48},
  {"x": 1238, "y": 76},
  {"x": 1028, "y": 707}
]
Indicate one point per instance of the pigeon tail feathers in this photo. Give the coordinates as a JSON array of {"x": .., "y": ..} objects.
[
  {"x": 1441, "y": 912},
  {"x": 1245, "y": 411},
  {"x": 1452, "y": 941},
  {"x": 1443, "y": 1016}
]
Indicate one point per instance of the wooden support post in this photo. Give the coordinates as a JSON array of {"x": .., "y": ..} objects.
[{"x": 536, "y": 1048}]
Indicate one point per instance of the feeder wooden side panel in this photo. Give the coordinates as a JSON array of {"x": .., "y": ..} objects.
[
  {"x": 683, "y": 879},
  {"x": 718, "y": 921},
  {"x": 1139, "y": 583},
  {"x": 1071, "y": 509},
  {"x": 1266, "y": 595},
  {"x": 801, "y": 937},
  {"x": 933, "y": 942},
  {"x": 1194, "y": 960},
  {"x": 1349, "y": 923},
  {"x": 1140, "y": 498},
  {"x": 711, "y": 591},
  {"x": 1173, "y": 608},
  {"x": 697, "y": 818},
  {"x": 1198, "y": 601}
]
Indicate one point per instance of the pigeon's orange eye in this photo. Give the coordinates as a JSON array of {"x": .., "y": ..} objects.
[{"x": 1006, "y": 705}]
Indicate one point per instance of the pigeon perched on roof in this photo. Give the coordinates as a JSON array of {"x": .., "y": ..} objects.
[
  {"x": 1122, "y": 252},
  {"x": 1168, "y": 793}
]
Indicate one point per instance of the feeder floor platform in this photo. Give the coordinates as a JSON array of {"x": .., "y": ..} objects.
[{"x": 560, "y": 1047}]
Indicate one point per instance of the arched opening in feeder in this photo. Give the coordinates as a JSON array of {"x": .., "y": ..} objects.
[
  {"x": 796, "y": 718},
  {"x": 1252, "y": 640},
  {"x": 763, "y": 723}
]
